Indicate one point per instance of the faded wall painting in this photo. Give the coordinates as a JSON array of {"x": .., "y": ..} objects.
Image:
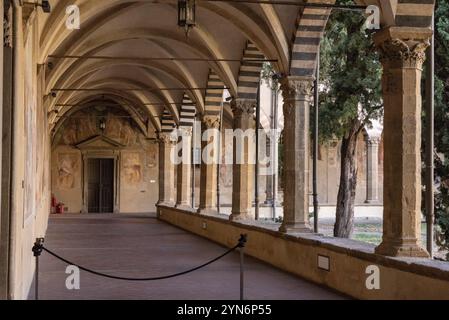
[
  {"x": 132, "y": 169},
  {"x": 68, "y": 164}
]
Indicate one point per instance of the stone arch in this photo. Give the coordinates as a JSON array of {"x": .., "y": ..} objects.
[
  {"x": 249, "y": 74},
  {"x": 306, "y": 40},
  {"x": 214, "y": 95},
  {"x": 187, "y": 112},
  {"x": 167, "y": 122},
  {"x": 410, "y": 13}
]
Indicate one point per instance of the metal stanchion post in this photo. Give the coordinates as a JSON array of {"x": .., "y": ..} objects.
[
  {"x": 37, "y": 250},
  {"x": 242, "y": 242}
]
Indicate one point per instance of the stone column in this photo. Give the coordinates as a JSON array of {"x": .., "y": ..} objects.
[
  {"x": 184, "y": 170},
  {"x": 208, "y": 179},
  {"x": 269, "y": 177},
  {"x": 6, "y": 88},
  {"x": 372, "y": 170},
  {"x": 167, "y": 144},
  {"x": 297, "y": 92},
  {"x": 402, "y": 55},
  {"x": 244, "y": 159}
]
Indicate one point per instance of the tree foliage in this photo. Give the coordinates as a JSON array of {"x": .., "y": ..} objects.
[
  {"x": 442, "y": 120},
  {"x": 350, "y": 75},
  {"x": 350, "y": 99}
]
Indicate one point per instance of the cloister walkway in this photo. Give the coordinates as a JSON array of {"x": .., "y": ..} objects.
[{"x": 139, "y": 246}]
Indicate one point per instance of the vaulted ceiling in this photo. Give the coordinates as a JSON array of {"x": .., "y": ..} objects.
[{"x": 135, "y": 30}]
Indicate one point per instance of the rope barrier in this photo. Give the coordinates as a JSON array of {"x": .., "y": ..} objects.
[{"x": 39, "y": 248}]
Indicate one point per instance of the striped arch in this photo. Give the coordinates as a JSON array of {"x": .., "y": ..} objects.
[
  {"x": 187, "y": 113},
  {"x": 214, "y": 94},
  {"x": 306, "y": 43},
  {"x": 413, "y": 13},
  {"x": 167, "y": 122},
  {"x": 249, "y": 75}
]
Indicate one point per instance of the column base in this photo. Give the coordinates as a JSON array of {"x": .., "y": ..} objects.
[
  {"x": 270, "y": 203},
  {"x": 241, "y": 216},
  {"x": 394, "y": 249},
  {"x": 377, "y": 202},
  {"x": 296, "y": 228},
  {"x": 166, "y": 203},
  {"x": 183, "y": 206}
]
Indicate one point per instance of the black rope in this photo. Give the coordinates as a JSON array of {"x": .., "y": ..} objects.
[{"x": 241, "y": 244}]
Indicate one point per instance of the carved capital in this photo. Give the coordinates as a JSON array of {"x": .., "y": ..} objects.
[
  {"x": 211, "y": 122},
  {"x": 168, "y": 138},
  {"x": 297, "y": 88},
  {"x": 243, "y": 107},
  {"x": 373, "y": 141},
  {"x": 403, "y": 53},
  {"x": 7, "y": 29},
  {"x": 185, "y": 131}
]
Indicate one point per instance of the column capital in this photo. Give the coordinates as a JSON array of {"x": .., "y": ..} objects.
[
  {"x": 297, "y": 88},
  {"x": 401, "y": 47},
  {"x": 373, "y": 141},
  {"x": 185, "y": 131},
  {"x": 211, "y": 122},
  {"x": 243, "y": 107},
  {"x": 7, "y": 29},
  {"x": 167, "y": 138}
]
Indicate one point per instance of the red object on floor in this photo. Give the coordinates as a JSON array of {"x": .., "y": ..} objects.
[
  {"x": 53, "y": 201},
  {"x": 60, "y": 208}
]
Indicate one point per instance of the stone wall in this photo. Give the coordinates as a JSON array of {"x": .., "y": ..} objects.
[{"x": 400, "y": 278}]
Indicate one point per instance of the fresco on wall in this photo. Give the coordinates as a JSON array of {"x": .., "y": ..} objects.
[
  {"x": 132, "y": 169},
  {"x": 85, "y": 124},
  {"x": 120, "y": 130},
  {"x": 68, "y": 164}
]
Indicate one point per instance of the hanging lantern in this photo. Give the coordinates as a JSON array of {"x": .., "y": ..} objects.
[{"x": 186, "y": 14}]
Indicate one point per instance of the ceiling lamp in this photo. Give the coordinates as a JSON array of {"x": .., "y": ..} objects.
[{"x": 186, "y": 14}]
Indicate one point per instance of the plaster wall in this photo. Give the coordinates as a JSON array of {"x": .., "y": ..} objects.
[{"x": 30, "y": 201}]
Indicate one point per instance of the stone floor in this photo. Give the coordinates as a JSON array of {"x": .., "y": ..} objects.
[{"x": 137, "y": 246}]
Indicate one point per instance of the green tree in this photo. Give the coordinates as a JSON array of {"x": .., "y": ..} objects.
[
  {"x": 350, "y": 99},
  {"x": 442, "y": 121}
]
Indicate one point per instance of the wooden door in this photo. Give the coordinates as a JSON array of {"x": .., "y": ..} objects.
[{"x": 101, "y": 185}]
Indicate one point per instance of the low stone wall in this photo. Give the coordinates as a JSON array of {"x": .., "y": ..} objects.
[{"x": 348, "y": 260}]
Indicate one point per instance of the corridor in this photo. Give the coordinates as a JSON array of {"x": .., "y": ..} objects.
[{"x": 138, "y": 246}]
